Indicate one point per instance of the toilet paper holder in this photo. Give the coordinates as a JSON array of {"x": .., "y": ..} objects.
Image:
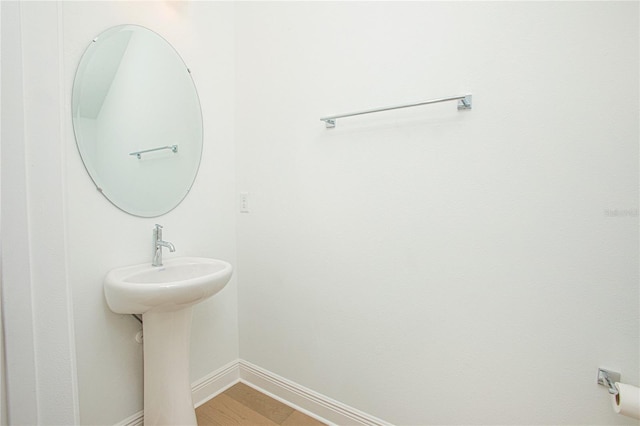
[{"x": 608, "y": 378}]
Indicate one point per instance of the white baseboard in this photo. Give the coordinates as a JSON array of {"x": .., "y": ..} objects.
[
  {"x": 305, "y": 400},
  {"x": 312, "y": 403},
  {"x": 135, "y": 420},
  {"x": 215, "y": 383}
]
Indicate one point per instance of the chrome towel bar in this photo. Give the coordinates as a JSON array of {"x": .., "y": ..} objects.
[
  {"x": 173, "y": 148},
  {"x": 464, "y": 102}
]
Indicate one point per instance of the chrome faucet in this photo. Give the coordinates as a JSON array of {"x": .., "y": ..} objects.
[{"x": 158, "y": 243}]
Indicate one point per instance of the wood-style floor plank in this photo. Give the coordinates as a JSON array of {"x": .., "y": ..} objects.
[
  {"x": 272, "y": 409},
  {"x": 241, "y": 405},
  {"x": 226, "y": 411}
]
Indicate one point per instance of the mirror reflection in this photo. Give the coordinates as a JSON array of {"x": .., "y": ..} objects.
[{"x": 137, "y": 120}]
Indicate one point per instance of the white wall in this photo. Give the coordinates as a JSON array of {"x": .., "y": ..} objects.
[
  {"x": 430, "y": 266},
  {"x": 3, "y": 387},
  {"x": 64, "y": 236}
]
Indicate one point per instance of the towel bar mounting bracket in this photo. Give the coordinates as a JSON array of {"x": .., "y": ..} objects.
[{"x": 465, "y": 103}]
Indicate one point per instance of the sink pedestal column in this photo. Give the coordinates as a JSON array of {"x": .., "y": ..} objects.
[{"x": 167, "y": 388}]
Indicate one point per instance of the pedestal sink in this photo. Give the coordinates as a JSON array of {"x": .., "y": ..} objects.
[{"x": 165, "y": 296}]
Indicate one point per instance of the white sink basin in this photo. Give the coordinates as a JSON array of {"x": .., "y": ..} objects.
[{"x": 179, "y": 283}]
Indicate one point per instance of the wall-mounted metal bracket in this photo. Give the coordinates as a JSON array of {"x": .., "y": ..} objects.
[
  {"x": 330, "y": 123},
  {"x": 464, "y": 103},
  {"x": 608, "y": 378}
]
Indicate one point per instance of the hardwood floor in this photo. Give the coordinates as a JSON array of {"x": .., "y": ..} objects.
[{"x": 243, "y": 405}]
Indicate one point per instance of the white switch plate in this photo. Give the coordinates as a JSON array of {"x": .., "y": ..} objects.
[{"x": 244, "y": 202}]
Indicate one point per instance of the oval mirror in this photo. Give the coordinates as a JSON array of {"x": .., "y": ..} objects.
[{"x": 137, "y": 120}]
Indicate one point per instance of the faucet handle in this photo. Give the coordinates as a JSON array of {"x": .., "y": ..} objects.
[{"x": 157, "y": 232}]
